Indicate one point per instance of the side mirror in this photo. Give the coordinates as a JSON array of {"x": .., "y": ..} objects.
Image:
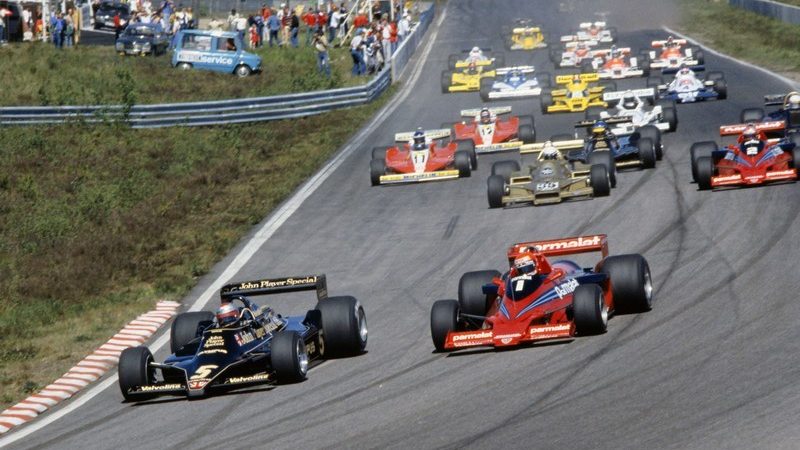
[{"x": 490, "y": 289}]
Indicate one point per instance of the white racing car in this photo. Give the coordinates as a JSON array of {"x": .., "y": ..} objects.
[
  {"x": 687, "y": 87},
  {"x": 596, "y": 32},
  {"x": 637, "y": 105},
  {"x": 514, "y": 82}
]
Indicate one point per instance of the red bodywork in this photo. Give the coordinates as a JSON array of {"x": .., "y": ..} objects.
[
  {"x": 503, "y": 131},
  {"x": 770, "y": 164},
  {"x": 399, "y": 158},
  {"x": 542, "y": 314}
]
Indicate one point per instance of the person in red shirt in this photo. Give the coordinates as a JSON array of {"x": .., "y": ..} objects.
[
  {"x": 360, "y": 21},
  {"x": 310, "y": 19},
  {"x": 322, "y": 20}
]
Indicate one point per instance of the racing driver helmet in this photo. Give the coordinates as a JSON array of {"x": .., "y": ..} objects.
[
  {"x": 525, "y": 264},
  {"x": 227, "y": 314},
  {"x": 599, "y": 128},
  {"x": 628, "y": 100},
  {"x": 751, "y": 142},
  {"x": 549, "y": 151},
  {"x": 794, "y": 101},
  {"x": 486, "y": 116},
  {"x": 419, "y": 139}
]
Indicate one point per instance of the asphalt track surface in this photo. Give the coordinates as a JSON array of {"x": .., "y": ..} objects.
[{"x": 713, "y": 365}]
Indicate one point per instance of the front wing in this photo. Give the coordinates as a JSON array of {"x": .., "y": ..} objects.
[
  {"x": 740, "y": 180},
  {"x": 399, "y": 178},
  {"x": 488, "y": 338}
]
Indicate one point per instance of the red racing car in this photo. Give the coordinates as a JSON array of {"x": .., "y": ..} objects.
[
  {"x": 491, "y": 134},
  {"x": 752, "y": 160},
  {"x": 423, "y": 157},
  {"x": 539, "y": 300}
]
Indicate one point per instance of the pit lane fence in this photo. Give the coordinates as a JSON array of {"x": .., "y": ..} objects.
[{"x": 233, "y": 111}]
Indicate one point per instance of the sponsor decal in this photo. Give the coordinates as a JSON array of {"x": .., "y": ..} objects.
[
  {"x": 196, "y": 57},
  {"x": 214, "y": 341},
  {"x": 472, "y": 336},
  {"x": 550, "y": 329},
  {"x": 728, "y": 178},
  {"x": 547, "y": 186},
  {"x": 572, "y": 243},
  {"x": 161, "y": 387},
  {"x": 311, "y": 347},
  {"x": 198, "y": 384},
  {"x": 214, "y": 351},
  {"x": 321, "y": 342},
  {"x": 246, "y": 337},
  {"x": 203, "y": 372},
  {"x": 277, "y": 283},
  {"x": 546, "y": 171},
  {"x": 249, "y": 379},
  {"x": 566, "y": 288}
]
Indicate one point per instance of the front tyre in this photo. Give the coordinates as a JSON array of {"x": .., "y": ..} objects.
[
  {"x": 377, "y": 168},
  {"x": 495, "y": 189},
  {"x": 590, "y": 310},
  {"x": 606, "y": 159},
  {"x": 444, "y": 320},
  {"x": 705, "y": 171},
  {"x": 599, "y": 180},
  {"x": 288, "y": 357},
  {"x": 468, "y": 145},
  {"x": 243, "y": 71},
  {"x": 134, "y": 371},
  {"x": 463, "y": 163}
]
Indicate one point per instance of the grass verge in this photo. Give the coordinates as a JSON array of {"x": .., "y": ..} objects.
[
  {"x": 760, "y": 40},
  {"x": 38, "y": 74},
  {"x": 98, "y": 222}
]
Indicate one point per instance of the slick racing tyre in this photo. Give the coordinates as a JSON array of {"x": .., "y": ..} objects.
[
  {"x": 525, "y": 120},
  {"x": 452, "y": 60},
  {"x": 447, "y": 78},
  {"x": 654, "y": 134},
  {"x": 444, "y": 319},
  {"x": 751, "y": 115},
  {"x": 495, "y": 189},
  {"x": 698, "y": 55},
  {"x": 699, "y": 150},
  {"x": 589, "y": 309},
  {"x": 705, "y": 170},
  {"x": 379, "y": 152},
  {"x": 344, "y": 326},
  {"x": 463, "y": 163},
  {"x": 468, "y": 146},
  {"x": 377, "y": 168},
  {"x": 631, "y": 285},
  {"x": 526, "y": 134},
  {"x": 471, "y": 298},
  {"x": 188, "y": 326},
  {"x": 545, "y": 100},
  {"x": 670, "y": 115},
  {"x": 505, "y": 169},
  {"x": 486, "y": 88},
  {"x": 721, "y": 87},
  {"x": 606, "y": 159},
  {"x": 134, "y": 371},
  {"x": 647, "y": 153},
  {"x": 288, "y": 357},
  {"x": 600, "y": 181},
  {"x": 795, "y": 139}
]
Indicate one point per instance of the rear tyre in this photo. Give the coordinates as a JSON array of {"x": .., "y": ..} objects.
[
  {"x": 698, "y": 150},
  {"x": 495, "y": 189},
  {"x": 598, "y": 178},
  {"x": 288, "y": 357},
  {"x": 379, "y": 153},
  {"x": 134, "y": 371},
  {"x": 545, "y": 100},
  {"x": 705, "y": 170},
  {"x": 504, "y": 169},
  {"x": 444, "y": 319},
  {"x": 586, "y": 66},
  {"x": 670, "y": 115},
  {"x": 647, "y": 153},
  {"x": 377, "y": 168},
  {"x": 187, "y": 326},
  {"x": 715, "y": 75},
  {"x": 463, "y": 164},
  {"x": 699, "y": 56},
  {"x": 796, "y": 156},
  {"x": 631, "y": 284},
  {"x": 468, "y": 146},
  {"x": 606, "y": 159},
  {"x": 590, "y": 310},
  {"x": 525, "y": 120},
  {"x": 526, "y": 134},
  {"x": 344, "y": 326},
  {"x": 721, "y": 87},
  {"x": 447, "y": 78},
  {"x": 752, "y": 115},
  {"x": 471, "y": 298}
]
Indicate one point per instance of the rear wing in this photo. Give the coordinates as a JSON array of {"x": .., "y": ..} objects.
[
  {"x": 609, "y": 121},
  {"x": 730, "y": 130},
  {"x": 429, "y": 135},
  {"x": 523, "y": 69},
  {"x": 659, "y": 44},
  {"x": 605, "y": 51},
  {"x": 585, "y": 77},
  {"x": 277, "y": 286},
  {"x": 587, "y": 25},
  {"x": 778, "y": 99},
  {"x": 519, "y": 30},
  {"x": 563, "y": 246},
  {"x": 494, "y": 110},
  {"x": 640, "y": 93},
  {"x": 537, "y": 147}
]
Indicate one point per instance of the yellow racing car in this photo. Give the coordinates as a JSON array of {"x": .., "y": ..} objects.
[
  {"x": 579, "y": 92},
  {"x": 476, "y": 55},
  {"x": 467, "y": 79},
  {"x": 525, "y": 36}
]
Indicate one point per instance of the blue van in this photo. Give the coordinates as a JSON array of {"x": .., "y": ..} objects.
[{"x": 220, "y": 51}]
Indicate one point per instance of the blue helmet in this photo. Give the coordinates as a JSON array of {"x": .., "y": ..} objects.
[{"x": 599, "y": 127}]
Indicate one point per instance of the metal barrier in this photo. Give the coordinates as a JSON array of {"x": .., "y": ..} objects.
[
  {"x": 776, "y": 10},
  {"x": 227, "y": 111}
]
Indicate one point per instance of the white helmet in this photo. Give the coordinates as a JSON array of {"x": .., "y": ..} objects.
[{"x": 549, "y": 151}]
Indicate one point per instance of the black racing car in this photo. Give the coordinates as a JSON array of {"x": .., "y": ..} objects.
[
  {"x": 142, "y": 39},
  {"x": 259, "y": 347}
]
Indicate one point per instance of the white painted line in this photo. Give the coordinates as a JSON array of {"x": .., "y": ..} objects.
[
  {"x": 793, "y": 84},
  {"x": 262, "y": 235}
]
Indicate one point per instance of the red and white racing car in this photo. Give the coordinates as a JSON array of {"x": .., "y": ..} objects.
[
  {"x": 491, "y": 133},
  {"x": 671, "y": 54}
]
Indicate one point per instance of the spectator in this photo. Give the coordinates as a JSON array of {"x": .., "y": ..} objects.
[
  {"x": 3, "y": 13},
  {"x": 69, "y": 31},
  {"x": 310, "y": 19},
  {"x": 286, "y": 20},
  {"x": 166, "y": 10},
  {"x": 253, "y": 36},
  {"x": 214, "y": 24},
  {"x": 265, "y": 13},
  {"x": 232, "y": 18},
  {"x": 274, "y": 26},
  {"x": 241, "y": 27},
  {"x": 343, "y": 28},
  {"x": 357, "y": 52},
  {"x": 321, "y": 46},
  {"x": 190, "y": 21},
  {"x": 57, "y": 29},
  {"x": 403, "y": 27},
  {"x": 117, "y": 25},
  {"x": 259, "y": 22},
  {"x": 322, "y": 21},
  {"x": 294, "y": 27},
  {"x": 76, "y": 24},
  {"x": 386, "y": 38},
  {"x": 333, "y": 25},
  {"x": 360, "y": 21}
]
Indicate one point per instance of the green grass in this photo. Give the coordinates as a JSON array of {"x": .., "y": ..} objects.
[
  {"x": 97, "y": 223},
  {"x": 42, "y": 75},
  {"x": 763, "y": 41}
]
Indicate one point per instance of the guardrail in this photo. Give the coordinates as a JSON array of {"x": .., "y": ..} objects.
[
  {"x": 776, "y": 10},
  {"x": 228, "y": 111}
]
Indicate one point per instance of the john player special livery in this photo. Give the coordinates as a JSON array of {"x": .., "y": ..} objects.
[
  {"x": 244, "y": 343},
  {"x": 538, "y": 300}
]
